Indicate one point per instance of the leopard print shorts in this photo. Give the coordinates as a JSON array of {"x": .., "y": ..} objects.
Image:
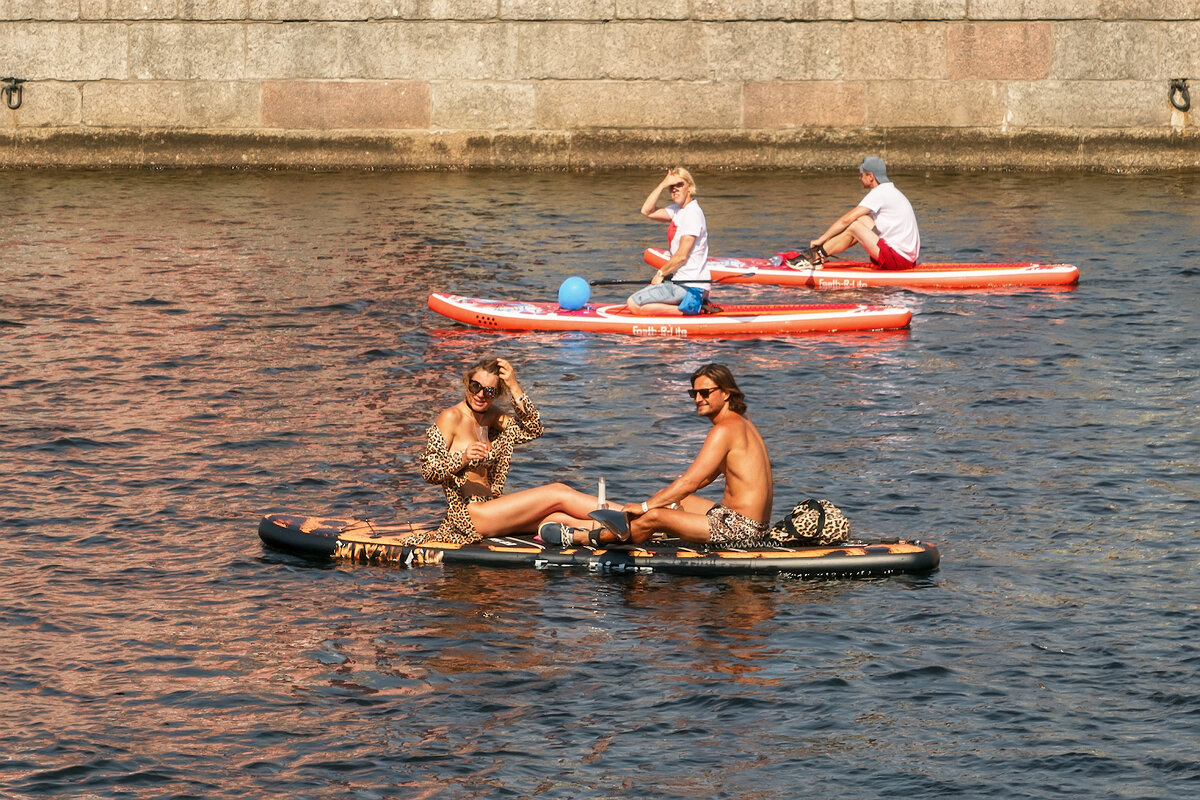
[{"x": 728, "y": 528}]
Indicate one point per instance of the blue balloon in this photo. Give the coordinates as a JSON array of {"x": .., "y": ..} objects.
[{"x": 574, "y": 293}]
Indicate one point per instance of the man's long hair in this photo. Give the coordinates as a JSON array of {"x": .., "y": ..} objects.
[{"x": 723, "y": 378}]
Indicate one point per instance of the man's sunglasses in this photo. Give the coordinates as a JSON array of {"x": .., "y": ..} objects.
[
  {"x": 702, "y": 392},
  {"x": 487, "y": 391}
]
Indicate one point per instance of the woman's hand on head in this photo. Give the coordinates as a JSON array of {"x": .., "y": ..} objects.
[{"x": 508, "y": 376}]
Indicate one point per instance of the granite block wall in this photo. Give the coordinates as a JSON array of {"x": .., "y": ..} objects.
[{"x": 568, "y": 84}]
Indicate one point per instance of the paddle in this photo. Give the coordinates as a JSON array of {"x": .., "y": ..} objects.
[
  {"x": 665, "y": 280},
  {"x": 574, "y": 292},
  {"x": 659, "y": 258},
  {"x": 798, "y": 260}
]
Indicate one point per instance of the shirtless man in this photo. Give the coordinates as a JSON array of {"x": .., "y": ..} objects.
[
  {"x": 883, "y": 223},
  {"x": 734, "y": 449}
]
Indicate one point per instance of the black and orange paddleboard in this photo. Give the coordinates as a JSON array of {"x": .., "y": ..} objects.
[{"x": 358, "y": 540}]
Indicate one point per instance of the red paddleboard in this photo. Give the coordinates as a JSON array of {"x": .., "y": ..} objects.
[
  {"x": 859, "y": 275},
  {"x": 731, "y": 320}
]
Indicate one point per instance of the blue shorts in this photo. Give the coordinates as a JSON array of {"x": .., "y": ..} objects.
[{"x": 665, "y": 292}]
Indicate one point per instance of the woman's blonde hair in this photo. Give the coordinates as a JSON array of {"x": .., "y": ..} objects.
[{"x": 687, "y": 177}]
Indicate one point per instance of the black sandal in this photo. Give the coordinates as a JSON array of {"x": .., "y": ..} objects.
[{"x": 615, "y": 521}]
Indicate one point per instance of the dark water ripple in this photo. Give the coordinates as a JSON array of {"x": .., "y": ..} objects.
[{"x": 181, "y": 352}]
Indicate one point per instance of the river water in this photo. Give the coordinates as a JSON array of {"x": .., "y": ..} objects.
[{"x": 182, "y": 352}]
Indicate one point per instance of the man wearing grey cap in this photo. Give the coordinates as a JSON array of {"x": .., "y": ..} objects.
[{"x": 883, "y": 223}]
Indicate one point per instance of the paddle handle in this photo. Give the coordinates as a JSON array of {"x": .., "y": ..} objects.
[
  {"x": 643, "y": 282},
  {"x": 749, "y": 274},
  {"x": 657, "y": 258}
]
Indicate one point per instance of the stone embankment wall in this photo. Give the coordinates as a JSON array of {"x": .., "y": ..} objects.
[{"x": 564, "y": 84}]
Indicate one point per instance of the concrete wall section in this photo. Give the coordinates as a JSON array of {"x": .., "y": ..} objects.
[{"x": 559, "y": 84}]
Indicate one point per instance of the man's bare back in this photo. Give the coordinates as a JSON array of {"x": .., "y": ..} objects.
[{"x": 747, "y": 467}]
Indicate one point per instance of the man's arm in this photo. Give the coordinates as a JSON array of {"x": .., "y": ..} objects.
[{"x": 840, "y": 225}]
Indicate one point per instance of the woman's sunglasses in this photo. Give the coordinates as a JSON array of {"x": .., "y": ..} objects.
[
  {"x": 702, "y": 392},
  {"x": 478, "y": 388}
]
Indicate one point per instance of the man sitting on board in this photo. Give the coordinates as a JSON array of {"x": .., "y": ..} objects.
[
  {"x": 733, "y": 448},
  {"x": 883, "y": 223}
]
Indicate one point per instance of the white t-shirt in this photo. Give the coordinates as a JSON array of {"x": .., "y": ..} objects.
[
  {"x": 689, "y": 221},
  {"x": 894, "y": 219}
]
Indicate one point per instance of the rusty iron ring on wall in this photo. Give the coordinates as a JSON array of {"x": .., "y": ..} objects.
[
  {"x": 1179, "y": 88},
  {"x": 12, "y": 92}
]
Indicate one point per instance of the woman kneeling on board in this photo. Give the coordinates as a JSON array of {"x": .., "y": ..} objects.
[
  {"x": 468, "y": 453},
  {"x": 687, "y": 233}
]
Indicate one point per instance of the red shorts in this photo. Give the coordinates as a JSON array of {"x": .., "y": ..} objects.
[{"x": 890, "y": 259}]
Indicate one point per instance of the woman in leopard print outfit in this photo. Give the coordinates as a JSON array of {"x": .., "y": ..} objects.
[{"x": 472, "y": 471}]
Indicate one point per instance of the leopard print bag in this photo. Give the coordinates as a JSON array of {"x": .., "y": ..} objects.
[{"x": 812, "y": 523}]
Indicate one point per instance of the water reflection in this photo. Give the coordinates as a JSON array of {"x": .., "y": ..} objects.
[{"x": 182, "y": 351}]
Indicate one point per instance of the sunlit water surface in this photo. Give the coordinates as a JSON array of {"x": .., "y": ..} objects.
[{"x": 182, "y": 352}]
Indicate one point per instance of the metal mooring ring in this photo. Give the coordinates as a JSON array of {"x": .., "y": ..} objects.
[
  {"x": 12, "y": 92},
  {"x": 1179, "y": 89}
]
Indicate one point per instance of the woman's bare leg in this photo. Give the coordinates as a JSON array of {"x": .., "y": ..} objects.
[
  {"x": 522, "y": 511},
  {"x": 655, "y": 310},
  {"x": 568, "y": 520},
  {"x": 582, "y": 529}
]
